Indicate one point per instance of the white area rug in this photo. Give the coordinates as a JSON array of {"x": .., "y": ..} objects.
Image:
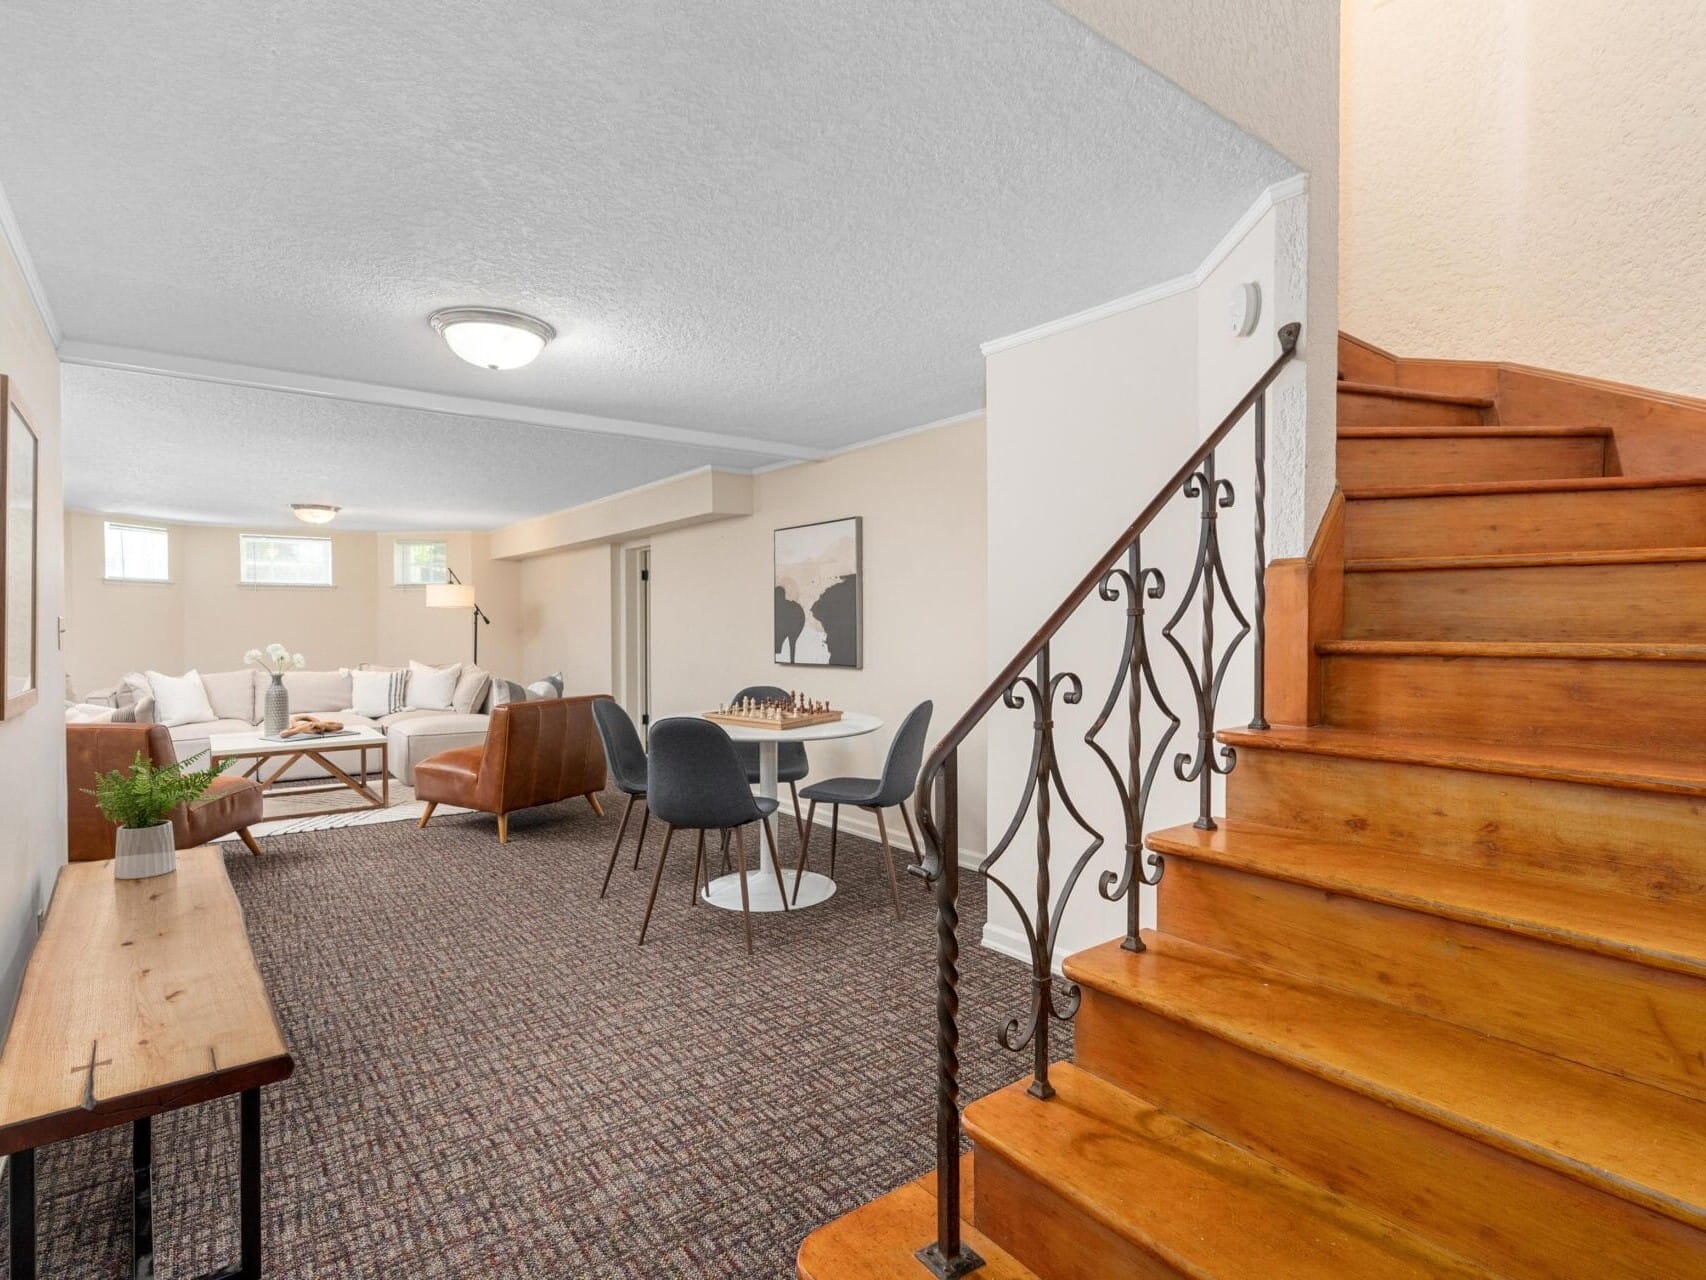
[{"x": 403, "y": 808}]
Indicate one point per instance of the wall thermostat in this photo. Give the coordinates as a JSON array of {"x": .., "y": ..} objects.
[{"x": 1245, "y": 308}]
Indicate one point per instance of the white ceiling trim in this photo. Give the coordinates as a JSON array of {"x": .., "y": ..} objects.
[
  {"x": 1289, "y": 189},
  {"x": 14, "y": 239},
  {"x": 951, "y": 421},
  {"x": 160, "y": 364}
]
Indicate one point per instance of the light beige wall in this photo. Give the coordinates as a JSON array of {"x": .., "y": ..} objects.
[
  {"x": 565, "y": 610},
  {"x": 32, "y": 746},
  {"x": 1522, "y": 181},
  {"x": 1273, "y": 70},
  {"x": 205, "y": 618}
]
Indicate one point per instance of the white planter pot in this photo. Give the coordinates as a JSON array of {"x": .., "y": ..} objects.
[{"x": 145, "y": 851}]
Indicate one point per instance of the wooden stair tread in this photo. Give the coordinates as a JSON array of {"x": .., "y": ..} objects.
[
  {"x": 1206, "y": 1208},
  {"x": 1590, "y": 765},
  {"x": 1535, "y": 560},
  {"x": 1411, "y": 393},
  {"x": 1461, "y": 430},
  {"x": 1572, "y": 484},
  {"x": 877, "y": 1241},
  {"x": 1633, "y": 1141},
  {"x": 1663, "y": 934},
  {"x": 1567, "y": 650}
]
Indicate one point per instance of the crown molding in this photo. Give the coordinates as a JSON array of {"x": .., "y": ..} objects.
[
  {"x": 14, "y": 238},
  {"x": 160, "y": 364},
  {"x": 887, "y": 438},
  {"x": 1288, "y": 189}
]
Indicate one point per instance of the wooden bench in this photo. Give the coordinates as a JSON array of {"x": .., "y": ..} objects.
[{"x": 140, "y": 997}]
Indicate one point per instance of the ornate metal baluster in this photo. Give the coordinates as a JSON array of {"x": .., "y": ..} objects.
[
  {"x": 1042, "y": 972},
  {"x": 1260, "y": 487}
]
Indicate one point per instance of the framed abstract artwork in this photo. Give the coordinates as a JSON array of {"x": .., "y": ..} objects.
[
  {"x": 818, "y": 597},
  {"x": 18, "y": 463}
]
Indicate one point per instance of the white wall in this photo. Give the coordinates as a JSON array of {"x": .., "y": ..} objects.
[
  {"x": 1523, "y": 181},
  {"x": 32, "y": 746},
  {"x": 1084, "y": 427}
]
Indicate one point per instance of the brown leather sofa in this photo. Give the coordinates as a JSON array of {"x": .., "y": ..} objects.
[
  {"x": 535, "y": 753},
  {"x": 231, "y": 804}
]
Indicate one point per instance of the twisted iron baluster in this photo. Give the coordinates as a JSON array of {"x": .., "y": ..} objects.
[
  {"x": 1205, "y": 700},
  {"x": 1260, "y": 720}
]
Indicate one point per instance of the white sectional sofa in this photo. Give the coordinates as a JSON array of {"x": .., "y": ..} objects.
[{"x": 237, "y": 701}]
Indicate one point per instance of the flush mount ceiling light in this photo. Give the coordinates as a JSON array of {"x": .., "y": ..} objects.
[
  {"x": 492, "y": 338},
  {"x": 314, "y": 512}
]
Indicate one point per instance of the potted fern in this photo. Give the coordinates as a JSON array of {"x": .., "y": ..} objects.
[{"x": 140, "y": 802}]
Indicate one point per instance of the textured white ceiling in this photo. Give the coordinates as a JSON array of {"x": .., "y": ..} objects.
[{"x": 785, "y": 219}]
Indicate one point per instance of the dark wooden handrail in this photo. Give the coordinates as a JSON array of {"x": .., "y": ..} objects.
[{"x": 980, "y": 707}]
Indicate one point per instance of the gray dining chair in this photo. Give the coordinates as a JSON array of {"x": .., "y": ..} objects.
[
  {"x": 791, "y": 762},
  {"x": 696, "y": 783},
  {"x": 627, "y": 761},
  {"x": 900, "y": 776}
]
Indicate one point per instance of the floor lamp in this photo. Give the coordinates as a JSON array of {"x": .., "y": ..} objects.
[{"x": 457, "y": 594}]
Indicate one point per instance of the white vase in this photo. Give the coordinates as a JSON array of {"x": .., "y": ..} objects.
[{"x": 145, "y": 851}]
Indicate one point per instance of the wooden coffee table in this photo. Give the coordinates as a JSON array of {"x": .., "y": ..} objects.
[{"x": 267, "y": 761}]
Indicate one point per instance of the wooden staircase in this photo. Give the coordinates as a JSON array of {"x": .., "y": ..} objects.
[{"x": 1431, "y": 999}]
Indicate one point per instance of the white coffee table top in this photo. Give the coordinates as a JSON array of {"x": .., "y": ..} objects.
[{"x": 250, "y": 742}]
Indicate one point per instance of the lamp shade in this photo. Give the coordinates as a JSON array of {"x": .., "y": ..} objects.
[{"x": 450, "y": 595}]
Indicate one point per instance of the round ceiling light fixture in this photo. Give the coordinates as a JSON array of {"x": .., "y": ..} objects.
[
  {"x": 492, "y": 337},
  {"x": 314, "y": 512}
]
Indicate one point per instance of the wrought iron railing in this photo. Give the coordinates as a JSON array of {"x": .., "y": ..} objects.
[{"x": 1031, "y": 677}]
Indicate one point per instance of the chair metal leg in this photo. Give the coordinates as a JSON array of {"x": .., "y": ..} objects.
[
  {"x": 698, "y": 862},
  {"x": 616, "y": 848},
  {"x": 431, "y": 805},
  {"x": 745, "y": 903},
  {"x": 805, "y": 848},
  {"x": 645, "y": 818},
  {"x": 888, "y": 857},
  {"x": 776, "y": 862},
  {"x": 799, "y": 826},
  {"x": 834, "y": 831},
  {"x": 911, "y": 833},
  {"x": 657, "y": 878},
  {"x": 247, "y": 837}
]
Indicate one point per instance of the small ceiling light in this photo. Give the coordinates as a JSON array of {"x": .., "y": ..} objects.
[
  {"x": 492, "y": 338},
  {"x": 314, "y": 512}
]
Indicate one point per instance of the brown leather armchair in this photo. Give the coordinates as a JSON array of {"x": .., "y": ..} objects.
[
  {"x": 535, "y": 753},
  {"x": 231, "y": 804}
]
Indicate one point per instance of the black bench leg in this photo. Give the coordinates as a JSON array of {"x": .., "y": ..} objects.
[
  {"x": 250, "y": 1189},
  {"x": 22, "y": 1168},
  {"x": 142, "y": 1199}
]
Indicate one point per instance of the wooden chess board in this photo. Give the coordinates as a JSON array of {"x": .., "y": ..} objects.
[{"x": 787, "y": 720}]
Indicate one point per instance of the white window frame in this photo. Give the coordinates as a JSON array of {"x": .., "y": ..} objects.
[
  {"x": 107, "y": 527},
  {"x": 397, "y": 557},
  {"x": 242, "y": 561}
]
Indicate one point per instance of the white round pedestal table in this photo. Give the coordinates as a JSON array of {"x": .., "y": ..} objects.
[{"x": 761, "y": 884}]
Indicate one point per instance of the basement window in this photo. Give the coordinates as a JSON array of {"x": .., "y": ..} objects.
[
  {"x": 137, "y": 553},
  {"x": 419, "y": 563},
  {"x": 276, "y": 560}
]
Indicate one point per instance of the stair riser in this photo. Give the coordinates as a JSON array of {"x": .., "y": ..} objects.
[
  {"x": 1448, "y": 460},
  {"x": 1369, "y": 409},
  {"x": 1050, "y": 1235},
  {"x": 1661, "y": 603},
  {"x": 1634, "y": 842},
  {"x": 1518, "y": 523},
  {"x": 1616, "y": 1015},
  {"x": 1624, "y": 705},
  {"x": 1527, "y": 1221}
]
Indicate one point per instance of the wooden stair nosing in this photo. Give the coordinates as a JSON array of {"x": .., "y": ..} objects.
[
  {"x": 1561, "y": 650},
  {"x": 1469, "y": 430},
  {"x": 1529, "y": 560},
  {"x": 1484, "y": 488},
  {"x": 879, "y": 1240},
  {"x": 1385, "y": 392},
  {"x": 1632, "y": 1138},
  {"x": 1397, "y": 879},
  {"x": 1588, "y": 766},
  {"x": 1150, "y": 1163}
]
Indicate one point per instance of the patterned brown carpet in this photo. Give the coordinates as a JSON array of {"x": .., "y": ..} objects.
[{"x": 492, "y": 1079}]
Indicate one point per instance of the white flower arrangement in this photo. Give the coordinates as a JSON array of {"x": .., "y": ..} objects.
[{"x": 275, "y": 658}]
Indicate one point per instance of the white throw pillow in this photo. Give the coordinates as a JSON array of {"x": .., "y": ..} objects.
[
  {"x": 88, "y": 713},
  {"x": 377, "y": 693},
  {"x": 431, "y": 688},
  {"x": 180, "y": 699},
  {"x": 471, "y": 691}
]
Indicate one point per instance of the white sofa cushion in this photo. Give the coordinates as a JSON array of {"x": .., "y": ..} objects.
[
  {"x": 181, "y": 699},
  {"x": 431, "y": 688},
  {"x": 231, "y": 694},
  {"x": 414, "y": 737},
  {"x": 471, "y": 691},
  {"x": 377, "y": 693}
]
